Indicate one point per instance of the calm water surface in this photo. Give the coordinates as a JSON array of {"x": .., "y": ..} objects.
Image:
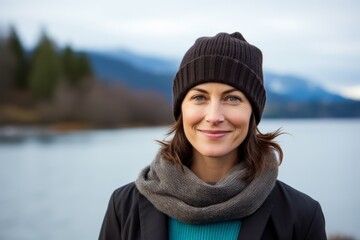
[{"x": 58, "y": 187}]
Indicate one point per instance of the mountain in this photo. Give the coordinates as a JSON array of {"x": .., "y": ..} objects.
[
  {"x": 288, "y": 96},
  {"x": 297, "y": 89},
  {"x": 295, "y": 97},
  {"x": 112, "y": 69},
  {"x": 146, "y": 63}
]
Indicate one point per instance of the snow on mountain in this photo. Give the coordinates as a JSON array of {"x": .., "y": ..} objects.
[{"x": 298, "y": 89}]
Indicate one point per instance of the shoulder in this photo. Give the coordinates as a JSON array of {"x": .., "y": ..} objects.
[
  {"x": 294, "y": 197},
  {"x": 301, "y": 212},
  {"x": 294, "y": 201},
  {"x": 126, "y": 196},
  {"x": 124, "y": 202},
  {"x": 127, "y": 191}
]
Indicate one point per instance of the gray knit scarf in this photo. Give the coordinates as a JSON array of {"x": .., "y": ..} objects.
[{"x": 185, "y": 197}]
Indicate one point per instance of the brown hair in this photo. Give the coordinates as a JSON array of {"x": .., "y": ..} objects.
[{"x": 257, "y": 150}]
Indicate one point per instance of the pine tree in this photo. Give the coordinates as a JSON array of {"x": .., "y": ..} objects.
[
  {"x": 76, "y": 66},
  {"x": 68, "y": 62},
  {"x": 21, "y": 69},
  {"x": 83, "y": 66},
  {"x": 7, "y": 68},
  {"x": 46, "y": 69}
]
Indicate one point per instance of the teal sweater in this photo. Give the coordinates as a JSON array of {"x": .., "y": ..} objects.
[{"x": 228, "y": 230}]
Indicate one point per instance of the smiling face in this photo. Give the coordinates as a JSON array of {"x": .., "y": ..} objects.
[{"x": 216, "y": 120}]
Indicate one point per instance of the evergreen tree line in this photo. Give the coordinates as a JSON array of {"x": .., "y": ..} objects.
[
  {"x": 39, "y": 71},
  {"x": 53, "y": 85}
]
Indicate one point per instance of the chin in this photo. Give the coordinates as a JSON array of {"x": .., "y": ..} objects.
[{"x": 213, "y": 153}]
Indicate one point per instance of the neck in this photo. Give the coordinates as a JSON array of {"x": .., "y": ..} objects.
[{"x": 211, "y": 169}]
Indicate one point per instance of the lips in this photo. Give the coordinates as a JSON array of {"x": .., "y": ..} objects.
[{"x": 214, "y": 134}]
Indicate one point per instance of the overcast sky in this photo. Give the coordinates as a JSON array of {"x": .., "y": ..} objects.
[{"x": 318, "y": 40}]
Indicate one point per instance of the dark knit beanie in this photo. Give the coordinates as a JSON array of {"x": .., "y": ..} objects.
[{"x": 224, "y": 58}]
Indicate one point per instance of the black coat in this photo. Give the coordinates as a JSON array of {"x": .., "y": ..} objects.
[{"x": 286, "y": 214}]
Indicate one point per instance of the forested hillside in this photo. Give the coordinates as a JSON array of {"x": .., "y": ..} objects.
[{"x": 57, "y": 86}]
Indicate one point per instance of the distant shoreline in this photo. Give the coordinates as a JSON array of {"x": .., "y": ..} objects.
[{"x": 13, "y": 131}]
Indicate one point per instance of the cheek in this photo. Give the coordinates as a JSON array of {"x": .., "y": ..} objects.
[
  {"x": 241, "y": 119},
  {"x": 191, "y": 116}
]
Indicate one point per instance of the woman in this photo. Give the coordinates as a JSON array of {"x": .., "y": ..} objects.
[{"x": 217, "y": 177}]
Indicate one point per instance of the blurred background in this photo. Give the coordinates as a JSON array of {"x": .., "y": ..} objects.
[{"x": 85, "y": 89}]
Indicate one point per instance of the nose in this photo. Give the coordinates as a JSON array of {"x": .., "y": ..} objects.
[{"x": 214, "y": 114}]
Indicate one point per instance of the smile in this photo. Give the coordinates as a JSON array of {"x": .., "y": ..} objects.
[{"x": 214, "y": 134}]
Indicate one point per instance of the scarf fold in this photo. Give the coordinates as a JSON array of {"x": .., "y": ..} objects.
[{"x": 183, "y": 196}]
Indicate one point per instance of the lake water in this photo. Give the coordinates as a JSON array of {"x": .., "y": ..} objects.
[{"x": 58, "y": 187}]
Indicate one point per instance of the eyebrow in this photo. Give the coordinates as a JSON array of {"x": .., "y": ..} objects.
[{"x": 225, "y": 92}]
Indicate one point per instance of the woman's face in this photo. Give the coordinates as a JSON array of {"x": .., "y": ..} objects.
[{"x": 216, "y": 119}]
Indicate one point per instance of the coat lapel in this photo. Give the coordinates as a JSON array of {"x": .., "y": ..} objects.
[
  {"x": 252, "y": 227},
  {"x": 153, "y": 223}
]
